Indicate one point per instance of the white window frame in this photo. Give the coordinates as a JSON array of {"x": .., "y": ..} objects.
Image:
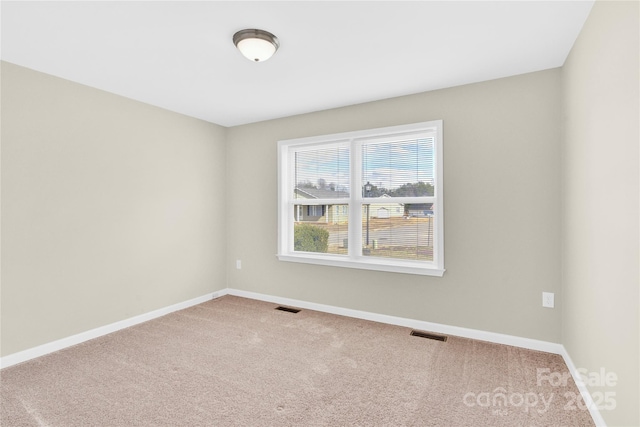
[{"x": 355, "y": 258}]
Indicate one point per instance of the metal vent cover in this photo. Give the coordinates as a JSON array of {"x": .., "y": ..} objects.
[
  {"x": 429, "y": 335},
  {"x": 288, "y": 309}
]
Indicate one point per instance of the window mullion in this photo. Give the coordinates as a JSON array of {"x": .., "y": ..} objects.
[{"x": 355, "y": 203}]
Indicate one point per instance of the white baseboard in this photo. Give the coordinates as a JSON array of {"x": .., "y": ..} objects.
[
  {"x": 442, "y": 329},
  {"x": 527, "y": 343},
  {"x": 584, "y": 392},
  {"x": 41, "y": 350},
  {"x": 409, "y": 323},
  {"x": 60, "y": 344}
]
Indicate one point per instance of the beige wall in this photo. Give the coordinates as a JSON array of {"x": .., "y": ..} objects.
[
  {"x": 600, "y": 203},
  {"x": 107, "y": 208},
  {"x": 502, "y": 209}
]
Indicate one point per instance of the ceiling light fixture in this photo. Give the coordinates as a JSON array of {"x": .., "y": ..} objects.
[{"x": 256, "y": 45}]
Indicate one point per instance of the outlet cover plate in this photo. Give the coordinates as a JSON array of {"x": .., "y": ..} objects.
[{"x": 548, "y": 299}]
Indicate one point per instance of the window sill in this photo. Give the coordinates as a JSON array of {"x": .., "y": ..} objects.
[{"x": 376, "y": 264}]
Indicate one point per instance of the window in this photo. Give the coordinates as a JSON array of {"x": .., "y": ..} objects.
[
  {"x": 313, "y": 210},
  {"x": 380, "y": 188}
]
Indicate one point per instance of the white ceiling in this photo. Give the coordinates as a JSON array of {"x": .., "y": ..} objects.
[{"x": 179, "y": 55}]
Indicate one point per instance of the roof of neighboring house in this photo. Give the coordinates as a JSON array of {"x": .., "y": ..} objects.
[
  {"x": 420, "y": 206},
  {"x": 391, "y": 199},
  {"x": 321, "y": 193}
]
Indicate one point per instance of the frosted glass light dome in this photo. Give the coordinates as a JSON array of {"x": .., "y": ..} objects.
[{"x": 256, "y": 45}]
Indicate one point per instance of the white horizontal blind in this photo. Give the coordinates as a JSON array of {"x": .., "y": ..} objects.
[
  {"x": 399, "y": 237},
  {"x": 392, "y": 169},
  {"x": 321, "y": 175},
  {"x": 402, "y": 168}
]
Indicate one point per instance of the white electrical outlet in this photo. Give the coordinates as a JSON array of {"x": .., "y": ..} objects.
[
  {"x": 548, "y": 299},
  {"x": 239, "y": 264}
]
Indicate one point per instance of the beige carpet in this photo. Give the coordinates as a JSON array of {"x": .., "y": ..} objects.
[{"x": 235, "y": 361}]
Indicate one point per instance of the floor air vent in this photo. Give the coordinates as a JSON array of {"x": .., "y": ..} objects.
[
  {"x": 428, "y": 335},
  {"x": 287, "y": 309}
]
